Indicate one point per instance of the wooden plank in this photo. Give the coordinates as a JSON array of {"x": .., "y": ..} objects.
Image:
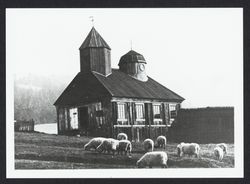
[
  {"x": 68, "y": 118},
  {"x": 107, "y": 55},
  {"x": 85, "y": 60},
  {"x": 57, "y": 116},
  {"x": 114, "y": 115},
  {"x": 107, "y": 120},
  {"x": 164, "y": 113},
  {"x": 100, "y": 60},
  {"x": 133, "y": 113},
  {"x": 130, "y": 118},
  {"x": 167, "y": 115},
  {"x": 63, "y": 119},
  {"x": 149, "y": 117}
]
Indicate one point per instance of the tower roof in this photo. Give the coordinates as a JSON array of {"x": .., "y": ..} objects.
[
  {"x": 94, "y": 39},
  {"x": 132, "y": 57}
]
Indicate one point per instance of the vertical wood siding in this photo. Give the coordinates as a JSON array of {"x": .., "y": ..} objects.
[
  {"x": 203, "y": 125},
  {"x": 85, "y": 60},
  {"x": 102, "y": 117},
  {"x": 166, "y": 113},
  {"x": 95, "y": 59},
  {"x": 24, "y": 126},
  {"x": 141, "y": 132},
  {"x": 61, "y": 119},
  {"x": 57, "y": 117},
  {"x": 99, "y": 124},
  {"x": 107, "y": 55}
]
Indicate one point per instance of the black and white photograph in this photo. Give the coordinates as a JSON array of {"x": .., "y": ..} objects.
[{"x": 130, "y": 92}]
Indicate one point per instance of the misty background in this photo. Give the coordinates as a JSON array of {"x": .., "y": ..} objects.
[{"x": 34, "y": 96}]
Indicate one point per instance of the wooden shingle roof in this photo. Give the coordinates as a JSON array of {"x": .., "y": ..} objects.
[
  {"x": 120, "y": 84},
  {"x": 94, "y": 39},
  {"x": 132, "y": 57},
  {"x": 85, "y": 87}
]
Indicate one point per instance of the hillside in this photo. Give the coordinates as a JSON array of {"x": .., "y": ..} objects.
[{"x": 34, "y": 96}]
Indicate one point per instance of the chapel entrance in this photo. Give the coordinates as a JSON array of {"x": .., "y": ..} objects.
[{"x": 84, "y": 120}]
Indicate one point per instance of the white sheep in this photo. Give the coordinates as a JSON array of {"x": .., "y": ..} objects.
[
  {"x": 148, "y": 145},
  {"x": 188, "y": 148},
  {"x": 122, "y": 136},
  {"x": 124, "y": 146},
  {"x": 219, "y": 153},
  {"x": 155, "y": 158},
  {"x": 94, "y": 143},
  {"x": 109, "y": 145},
  {"x": 223, "y": 146},
  {"x": 161, "y": 141}
]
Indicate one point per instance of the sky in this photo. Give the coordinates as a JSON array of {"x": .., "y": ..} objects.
[{"x": 195, "y": 52}]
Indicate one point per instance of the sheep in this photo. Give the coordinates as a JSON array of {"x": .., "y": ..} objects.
[
  {"x": 219, "y": 153},
  {"x": 223, "y": 146},
  {"x": 188, "y": 148},
  {"x": 155, "y": 158},
  {"x": 161, "y": 141},
  {"x": 94, "y": 143},
  {"x": 122, "y": 136},
  {"x": 148, "y": 145},
  {"x": 108, "y": 145},
  {"x": 124, "y": 146}
]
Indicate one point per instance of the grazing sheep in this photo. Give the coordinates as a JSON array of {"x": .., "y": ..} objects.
[
  {"x": 219, "y": 153},
  {"x": 155, "y": 158},
  {"x": 223, "y": 146},
  {"x": 94, "y": 143},
  {"x": 148, "y": 145},
  {"x": 124, "y": 146},
  {"x": 188, "y": 148},
  {"x": 122, "y": 136},
  {"x": 108, "y": 145},
  {"x": 161, "y": 141}
]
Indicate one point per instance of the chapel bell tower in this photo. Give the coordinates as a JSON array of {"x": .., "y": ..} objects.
[
  {"x": 95, "y": 54},
  {"x": 134, "y": 65}
]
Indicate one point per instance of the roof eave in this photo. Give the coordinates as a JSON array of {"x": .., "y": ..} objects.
[
  {"x": 81, "y": 48},
  {"x": 148, "y": 98}
]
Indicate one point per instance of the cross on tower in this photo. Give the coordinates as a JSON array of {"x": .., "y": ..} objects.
[{"x": 92, "y": 20}]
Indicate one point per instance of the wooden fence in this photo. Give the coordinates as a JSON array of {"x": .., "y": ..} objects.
[
  {"x": 203, "y": 125},
  {"x": 24, "y": 126}
]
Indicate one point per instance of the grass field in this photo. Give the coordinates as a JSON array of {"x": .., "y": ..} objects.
[{"x": 44, "y": 151}]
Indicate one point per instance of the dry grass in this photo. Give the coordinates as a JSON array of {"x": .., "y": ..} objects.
[{"x": 42, "y": 151}]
